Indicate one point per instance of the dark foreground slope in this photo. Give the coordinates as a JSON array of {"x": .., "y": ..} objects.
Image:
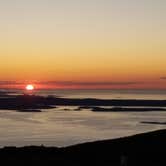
[{"x": 147, "y": 149}]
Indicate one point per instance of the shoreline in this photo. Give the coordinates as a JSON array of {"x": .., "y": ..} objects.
[{"x": 31, "y": 103}]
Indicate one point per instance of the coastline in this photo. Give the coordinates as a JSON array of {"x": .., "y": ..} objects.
[{"x": 34, "y": 103}]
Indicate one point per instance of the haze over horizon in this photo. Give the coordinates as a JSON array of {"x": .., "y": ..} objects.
[{"x": 83, "y": 44}]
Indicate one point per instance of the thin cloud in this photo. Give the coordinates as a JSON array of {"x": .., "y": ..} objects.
[
  {"x": 10, "y": 83},
  {"x": 71, "y": 83},
  {"x": 163, "y": 78}
]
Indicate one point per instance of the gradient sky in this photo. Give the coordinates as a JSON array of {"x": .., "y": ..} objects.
[{"x": 83, "y": 43}]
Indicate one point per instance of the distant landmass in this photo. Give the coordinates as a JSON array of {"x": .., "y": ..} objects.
[{"x": 32, "y": 103}]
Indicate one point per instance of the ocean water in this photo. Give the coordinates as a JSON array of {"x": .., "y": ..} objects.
[
  {"x": 107, "y": 94},
  {"x": 60, "y": 127}
]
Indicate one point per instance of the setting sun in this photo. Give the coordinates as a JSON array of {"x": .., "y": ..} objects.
[{"x": 29, "y": 87}]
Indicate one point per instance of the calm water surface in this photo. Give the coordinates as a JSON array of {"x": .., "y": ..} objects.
[
  {"x": 104, "y": 94},
  {"x": 60, "y": 128}
]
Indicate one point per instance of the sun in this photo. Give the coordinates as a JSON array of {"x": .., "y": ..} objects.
[{"x": 29, "y": 87}]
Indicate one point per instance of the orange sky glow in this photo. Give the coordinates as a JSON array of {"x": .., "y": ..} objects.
[{"x": 83, "y": 44}]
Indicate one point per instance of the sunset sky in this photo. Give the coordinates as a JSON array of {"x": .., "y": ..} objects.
[{"x": 83, "y": 43}]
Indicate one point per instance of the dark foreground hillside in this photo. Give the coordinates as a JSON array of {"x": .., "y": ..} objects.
[{"x": 147, "y": 149}]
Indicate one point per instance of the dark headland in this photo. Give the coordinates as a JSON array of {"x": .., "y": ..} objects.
[{"x": 148, "y": 149}]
